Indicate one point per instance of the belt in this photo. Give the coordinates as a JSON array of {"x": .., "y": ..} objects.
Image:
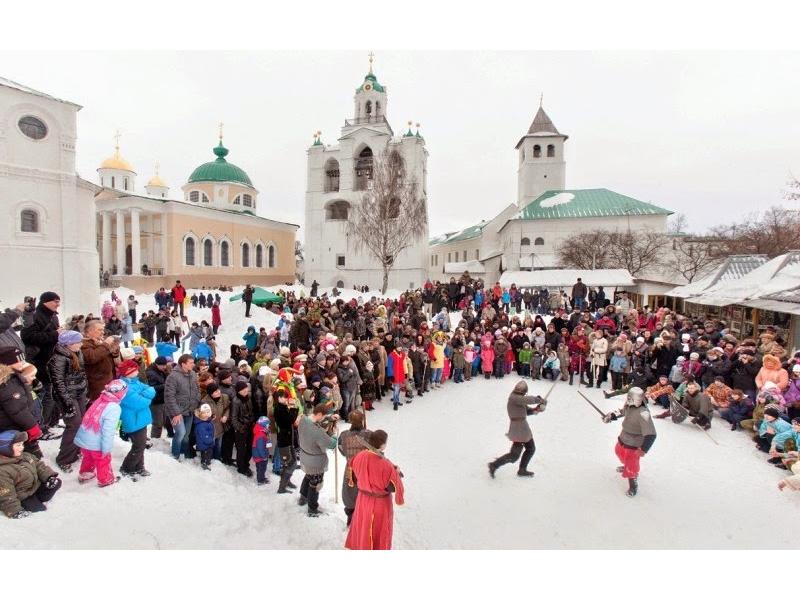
[
  {"x": 373, "y": 494},
  {"x": 517, "y": 418}
]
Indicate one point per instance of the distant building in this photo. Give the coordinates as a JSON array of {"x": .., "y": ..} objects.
[
  {"x": 48, "y": 240},
  {"x": 211, "y": 236}
]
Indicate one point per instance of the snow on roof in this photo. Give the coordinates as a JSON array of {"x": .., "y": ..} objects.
[
  {"x": 568, "y": 277},
  {"x": 473, "y": 266},
  {"x": 467, "y": 233},
  {"x": 24, "y": 88},
  {"x": 561, "y": 198},
  {"x": 733, "y": 268}
]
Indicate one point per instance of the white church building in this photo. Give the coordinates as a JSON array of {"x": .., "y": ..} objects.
[
  {"x": 339, "y": 176},
  {"x": 526, "y": 235},
  {"x": 47, "y": 240}
]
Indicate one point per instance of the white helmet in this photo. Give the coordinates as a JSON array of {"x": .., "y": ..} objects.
[{"x": 635, "y": 397}]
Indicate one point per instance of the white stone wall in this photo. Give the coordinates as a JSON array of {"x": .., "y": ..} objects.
[{"x": 40, "y": 175}]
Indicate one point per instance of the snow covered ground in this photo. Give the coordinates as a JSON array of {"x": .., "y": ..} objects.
[{"x": 693, "y": 493}]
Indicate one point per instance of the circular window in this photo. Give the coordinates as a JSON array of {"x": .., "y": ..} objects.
[{"x": 32, "y": 127}]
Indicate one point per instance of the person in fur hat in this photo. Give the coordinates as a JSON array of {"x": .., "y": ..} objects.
[
  {"x": 204, "y": 433},
  {"x": 26, "y": 482},
  {"x": 519, "y": 406}
]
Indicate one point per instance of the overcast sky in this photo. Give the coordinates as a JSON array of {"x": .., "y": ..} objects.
[{"x": 714, "y": 135}]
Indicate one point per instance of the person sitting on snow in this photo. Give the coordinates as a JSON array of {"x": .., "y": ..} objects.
[{"x": 26, "y": 482}]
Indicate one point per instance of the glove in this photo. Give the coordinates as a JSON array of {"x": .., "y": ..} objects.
[
  {"x": 52, "y": 482},
  {"x": 34, "y": 433},
  {"x": 69, "y": 411},
  {"x": 607, "y": 418},
  {"x": 21, "y": 514}
]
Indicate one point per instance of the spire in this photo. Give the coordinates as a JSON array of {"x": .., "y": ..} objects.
[
  {"x": 317, "y": 138},
  {"x": 542, "y": 123},
  {"x": 371, "y": 57},
  {"x": 409, "y": 133},
  {"x": 117, "y": 135},
  {"x": 220, "y": 132}
]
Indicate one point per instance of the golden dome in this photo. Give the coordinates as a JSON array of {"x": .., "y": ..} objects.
[
  {"x": 156, "y": 181},
  {"x": 117, "y": 162}
]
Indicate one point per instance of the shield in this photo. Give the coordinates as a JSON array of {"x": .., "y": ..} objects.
[{"x": 677, "y": 410}]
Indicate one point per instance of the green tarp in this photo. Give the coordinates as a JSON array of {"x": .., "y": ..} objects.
[{"x": 261, "y": 297}]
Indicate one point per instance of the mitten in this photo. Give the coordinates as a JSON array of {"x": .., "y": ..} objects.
[
  {"x": 51, "y": 482},
  {"x": 34, "y": 433},
  {"x": 21, "y": 514}
]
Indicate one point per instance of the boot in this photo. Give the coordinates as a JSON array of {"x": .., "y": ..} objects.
[
  {"x": 633, "y": 487},
  {"x": 571, "y": 377},
  {"x": 349, "y": 512},
  {"x": 664, "y": 414},
  {"x": 524, "y": 473},
  {"x": 492, "y": 469}
]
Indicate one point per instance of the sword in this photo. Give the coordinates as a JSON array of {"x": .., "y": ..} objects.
[{"x": 594, "y": 406}]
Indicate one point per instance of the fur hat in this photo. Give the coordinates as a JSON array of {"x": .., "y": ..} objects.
[
  {"x": 127, "y": 368},
  {"x": 9, "y": 438},
  {"x": 285, "y": 351},
  {"x": 211, "y": 388},
  {"x": 240, "y": 385},
  {"x": 205, "y": 409},
  {"x": 223, "y": 374},
  {"x": 694, "y": 356},
  {"x": 349, "y": 350}
]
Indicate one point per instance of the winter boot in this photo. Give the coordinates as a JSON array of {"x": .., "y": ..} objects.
[
  {"x": 633, "y": 487},
  {"x": 571, "y": 377},
  {"x": 349, "y": 512},
  {"x": 302, "y": 501},
  {"x": 492, "y": 468},
  {"x": 620, "y": 469},
  {"x": 524, "y": 473}
]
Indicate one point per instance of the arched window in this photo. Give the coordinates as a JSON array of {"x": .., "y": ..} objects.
[
  {"x": 537, "y": 151},
  {"x": 377, "y": 108},
  {"x": 205, "y": 198},
  {"x": 32, "y": 127},
  {"x": 259, "y": 256},
  {"x": 525, "y": 242},
  {"x": 394, "y": 209},
  {"x": 247, "y": 200},
  {"x": 538, "y": 242},
  {"x": 364, "y": 170},
  {"x": 337, "y": 211},
  {"x": 224, "y": 258},
  {"x": 237, "y": 200},
  {"x": 245, "y": 254},
  {"x": 551, "y": 150},
  {"x": 331, "y": 175},
  {"x": 189, "y": 256},
  {"x": 113, "y": 185},
  {"x": 368, "y": 108},
  {"x": 125, "y": 183},
  {"x": 29, "y": 221},
  {"x": 193, "y": 196},
  {"x": 271, "y": 257},
  {"x": 208, "y": 253},
  {"x": 340, "y": 284}
]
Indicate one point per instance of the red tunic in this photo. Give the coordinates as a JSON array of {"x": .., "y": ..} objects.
[{"x": 373, "y": 519}]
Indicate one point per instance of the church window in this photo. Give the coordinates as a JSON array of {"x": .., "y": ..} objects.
[
  {"x": 477, "y": 254},
  {"x": 208, "y": 253},
  {"x": 538, "y": 242},
  {"x": 340, "y": 284},
  {"x": 125, "y": 183},
  {"x": 340, "y": 260},
  {"x": 331, "y": 175},
  {"x": 271, "y": 257},
  {"x": 189, "y": 254},
  {"x": 113, "y": 184},
  {"x": 205, "y": 198},
  {"x": 259, "y": 256},
  {"x": 448, "y": 257},
  {"x": 537, "y": 151},
  {"x": 364, "y": 170},
  {"x": 337, "y": 211},
  {"x": 237, "y": 200},
  {"x": 29, "y": 221},
  {"x": 368, "y": 108},
  {"x": 194, "y": 196},
  {"x": 245, "y": 254},
  {"x": 224, "y": 258},
  {"x": 551, "y": 150},
  {"x": 247, "y": 200},
  {"x": 525, "y": 242},
  {"x": 32, "y": 127},
  {"x": 464, "y": 256}
]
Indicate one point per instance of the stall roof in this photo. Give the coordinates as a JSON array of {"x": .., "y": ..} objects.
[
  {"x": 567, "y": 278},
  {"x": 457, "y": 268},
  {"x": 734, "y": 267}
]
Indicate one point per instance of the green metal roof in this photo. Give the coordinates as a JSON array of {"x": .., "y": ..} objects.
[
  {"x": 459, "y": 236},
  {"x": 374, "y": 81},
  {"x": 220, "y": 170},
  {"x": 581, "y": 204}
]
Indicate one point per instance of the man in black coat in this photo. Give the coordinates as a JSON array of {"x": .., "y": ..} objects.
[
  {"x": 453, "y": 293},
  {"x": 156, "y": 378},
  {"x": 40, "y": 338},
  {"x": 744, "y": 368},
  {"x": 247, "y": 298}
]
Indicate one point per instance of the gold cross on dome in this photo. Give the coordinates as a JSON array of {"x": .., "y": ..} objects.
[
  {"x": 116, "y": 137},
  {"x": 220, "y": 130},
  {"x": 158, "y": 166},
  {"x": 371, "y": 57}
]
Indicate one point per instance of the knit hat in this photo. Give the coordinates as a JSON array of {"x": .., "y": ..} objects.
[
  {"x": 263, "y": 422},
  {"x": 48, "y": 297},
  {"x": 685, "y": 337},
  {"x": 639, "y": 339},
  {"x": 795, "y": 368},
  {"x": 275, "y": 364},
  {"x": 243, "y": 363},
  {"x": 350, "y": 350},
  {"x": 285, "y": 351},
  {"x": 161, "y": 360},
  {"x": 211, "y": 388},
  {"x": 240, "y": 385},
  {"x": 205, "y": 409},
  {"x": 694, "y": 356},
  {"x": 66, "y": 338},
  {"x": 747, "y": 351},
  {"x": 127, "y": 353},
  {"x": 223, "y": 374},
  {"x": 10, "y": 355},
  {"x": 772, "y": 412},
  {"x": 9, "y": 438},
  {"x": 127, "y": 368},
  {"x": 681, "y": 359},
  {"x": 301, "y": 358}
]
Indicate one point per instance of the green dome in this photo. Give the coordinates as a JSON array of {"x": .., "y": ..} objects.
[
  {"x": 220, "y": 170},
  {"x": 373, "y": 81}
]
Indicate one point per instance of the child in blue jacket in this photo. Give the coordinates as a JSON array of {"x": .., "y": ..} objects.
[
  {"x": 135, "y": 417},
  {"x": 618, "y": 365},
  {"x": 204, "y": 434},
  {"x": 261, "y": 448}
]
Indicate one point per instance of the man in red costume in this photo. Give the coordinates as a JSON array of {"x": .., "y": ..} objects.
[{"x": 376, "y": 478}]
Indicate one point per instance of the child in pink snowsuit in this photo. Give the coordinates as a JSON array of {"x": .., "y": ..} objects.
[
  {"x": 96, "y": 435},
  {"x": 487, "y": 359}
]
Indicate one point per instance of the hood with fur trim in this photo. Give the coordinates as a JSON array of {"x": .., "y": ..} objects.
[
  {"x": 5, "y": 373},
  {"x": 771, "y": 362}
]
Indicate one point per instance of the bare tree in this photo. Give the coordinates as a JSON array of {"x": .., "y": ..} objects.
[
  {"x": 391, "y": 216},
  {"x": 773, "y": 233},
  {"x": 694, "y": 256},
  {"x": 604, "y": 249},
  {"x": 587, "y": 250},
  {"x": 793, "y": 189},
  {"x": 678, "y": 223}
]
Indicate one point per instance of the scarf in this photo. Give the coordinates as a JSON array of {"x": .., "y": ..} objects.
[{"x": 91, "y": 420}]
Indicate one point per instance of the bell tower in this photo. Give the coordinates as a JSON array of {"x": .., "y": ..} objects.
[
  {"x": 541, "y": 159},
  {"x": 370, "y": 99}
]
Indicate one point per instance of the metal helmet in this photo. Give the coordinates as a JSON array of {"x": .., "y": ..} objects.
[
  {"x": 635, "y": 397},
  {"x": 521, "y": 388}
]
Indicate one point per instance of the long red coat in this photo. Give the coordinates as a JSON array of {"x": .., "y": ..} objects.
[
  {"x": 373, "y": 519},
  {"x": 216, "y": 318}
]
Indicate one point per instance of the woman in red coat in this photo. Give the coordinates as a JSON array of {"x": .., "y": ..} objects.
[
  {"x": 376, "y": 478},
  {"x": 216, "y": 318}
]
